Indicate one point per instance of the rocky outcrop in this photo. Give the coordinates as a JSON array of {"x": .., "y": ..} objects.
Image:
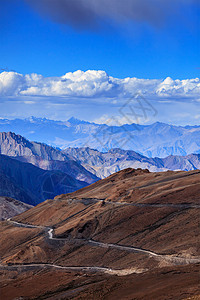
[{"x": 10, "y": 207}]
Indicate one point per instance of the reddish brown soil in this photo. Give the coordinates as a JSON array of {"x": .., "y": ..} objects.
[
  {"x": 78, "y": 218},
  {"x": 165, "y": 283}
]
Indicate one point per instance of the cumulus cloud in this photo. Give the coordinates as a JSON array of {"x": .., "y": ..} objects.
[
  {"x": 88, "y": 13},
  {"x": 11, "y": 83},
  {"x": 96, "y": 84}
]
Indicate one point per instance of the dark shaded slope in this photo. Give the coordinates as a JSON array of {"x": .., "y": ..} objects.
[
  {"x": 31, "y": 184},
  {"x": 42, "y": 156}
]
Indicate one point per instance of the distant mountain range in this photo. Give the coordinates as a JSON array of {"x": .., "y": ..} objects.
[
  {"x": 104, "y": 164},
  {"x": 88, "y": 165},
  {"x": 156, "y": 140}
]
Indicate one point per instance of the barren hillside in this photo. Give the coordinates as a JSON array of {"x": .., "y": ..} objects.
[{"x": 123, "y": 235}]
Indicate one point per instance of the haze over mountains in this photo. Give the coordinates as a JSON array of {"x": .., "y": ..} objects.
[
  {"x": 103, "y": 164},
  {"x": 156, "y": 140}
]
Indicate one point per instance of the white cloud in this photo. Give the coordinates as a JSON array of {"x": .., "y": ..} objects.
[
  {"x": 96, "y": 84},
  {"x": 29, "y": 102},
  {"x": 11, "y": 83},
  {"x": 170, "y": 87},
  {"x": 119, "y": 120}
]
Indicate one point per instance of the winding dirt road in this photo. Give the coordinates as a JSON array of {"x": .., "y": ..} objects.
[
  {"x": 169, "y": 258},
  {"x": 122, "y": 272}
]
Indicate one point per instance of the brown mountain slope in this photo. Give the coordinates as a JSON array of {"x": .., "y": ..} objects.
[
  {"x": 134, "y": 223},
  {"x": 127, "y": 186}
]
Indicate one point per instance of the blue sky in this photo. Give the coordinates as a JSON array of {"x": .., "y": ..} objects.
[
  {"x": 31, "y": 42},
  {"x": 159, "y": 39}
]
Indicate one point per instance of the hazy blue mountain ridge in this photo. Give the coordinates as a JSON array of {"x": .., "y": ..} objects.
[
  {"x": 102, "y": 164},
  {"x": 155, "y": 140}
]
